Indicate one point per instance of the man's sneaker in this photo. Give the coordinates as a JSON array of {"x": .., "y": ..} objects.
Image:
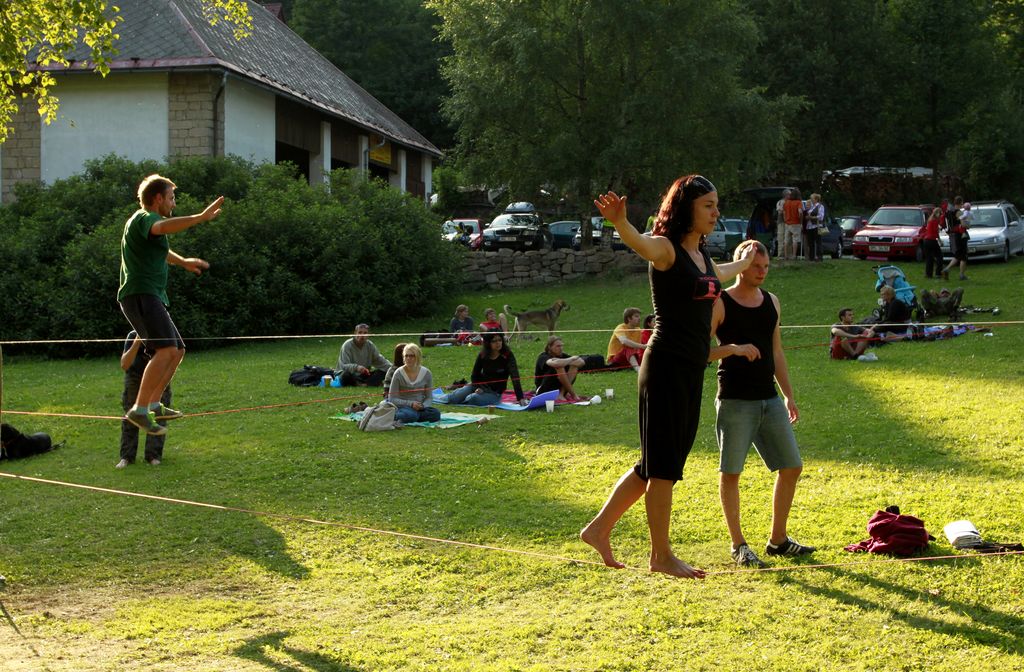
[
  {"x": 789, "y": 547},
  {"x": 146, "y": 421},
  {"x": 745, "y": 557},
  {"x": 155, "y": 462},
  {"x": 122, "y": 464},
  {"x": 868, "y": 357},
  {"x": 167, "y": 413}
]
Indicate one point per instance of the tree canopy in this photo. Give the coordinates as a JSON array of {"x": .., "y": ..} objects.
[
  {"x": 586, "y": 95},
  {"x": 42, "y": 32}
]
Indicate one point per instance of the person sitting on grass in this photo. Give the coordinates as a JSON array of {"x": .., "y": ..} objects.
[
  {"x": 849, "y": 341},
  {"x": 491, "y": 371},
  {"x": 556, "y": 370},
  {"x": 360, "y": 362},
  {"x": 648, "y": 330},
  {"x": 461, "y": 326},
  {"x": 460, "y": 331},
  {"x": 625, "y": 347},
  {"x": 494, "y": 322},
  {"x": 411, "y": 389},
  {"x": 396, "y": 361},
  {"x": 894, "y": 313}
]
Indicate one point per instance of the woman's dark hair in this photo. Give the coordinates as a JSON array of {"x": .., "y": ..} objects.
[
  {"x": 675, "y": 216},
  {"x": 649, "y": 321},
  {"x": 397, "y": 357},
  {"x": 488, "y": 338}
]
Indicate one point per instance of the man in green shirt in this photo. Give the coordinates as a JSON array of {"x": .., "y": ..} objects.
[{"x": 145, "y": 255}]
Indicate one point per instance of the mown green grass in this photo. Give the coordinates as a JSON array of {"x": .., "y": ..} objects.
[{"x": 104, "y": 582}]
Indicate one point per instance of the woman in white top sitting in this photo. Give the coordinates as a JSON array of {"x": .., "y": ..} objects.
[{"x": 411, "y": 388}]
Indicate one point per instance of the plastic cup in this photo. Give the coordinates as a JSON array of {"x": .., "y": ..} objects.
[
  {"x": 609, "y": 393},
  {"x": 596, "y": 399},
  {"x": 549, "y": 405}
]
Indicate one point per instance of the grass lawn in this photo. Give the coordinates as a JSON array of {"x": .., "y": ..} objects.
[{"x": 106, "y": 582}]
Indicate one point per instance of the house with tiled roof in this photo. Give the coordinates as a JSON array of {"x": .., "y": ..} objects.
[{"x": 182, "y": 87}]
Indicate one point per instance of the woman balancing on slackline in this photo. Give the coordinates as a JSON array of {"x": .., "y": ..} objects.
[{"x": 684, "y": 286}]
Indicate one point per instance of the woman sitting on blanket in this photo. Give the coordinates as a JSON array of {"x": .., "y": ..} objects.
[
  {"x": 491, "y": 371},
  {"x": 411, "y": 388},
  {"x": 397, "y": 359}
]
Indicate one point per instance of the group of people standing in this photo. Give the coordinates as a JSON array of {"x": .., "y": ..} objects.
[
  {"x": 686, "y": 292},
  {"x": 956, "y": 221},
  {"x": 800, "y": 223}
]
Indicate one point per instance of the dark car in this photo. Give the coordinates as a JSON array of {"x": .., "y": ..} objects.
[
  {"x": 832, "y": 241},
  {"x": 893, "y": 232},
  {"x": 851, "y": 224},
  {"x": 562, "y": 233},
  {"x": 597, "y": 235},
  {"x": 517, "y": 231}
]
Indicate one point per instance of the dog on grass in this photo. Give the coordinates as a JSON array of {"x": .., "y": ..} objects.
[
  {"x": 14, "y": 444},
  {"x": 547, "y": 318}
]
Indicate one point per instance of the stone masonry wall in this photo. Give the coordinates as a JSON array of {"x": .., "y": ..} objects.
[
  {"x": 505, "y": 268},
  {"x": 190, "y": 100},
  {"x": 21, "y": 151}
]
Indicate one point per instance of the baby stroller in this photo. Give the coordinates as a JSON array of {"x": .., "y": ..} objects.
[{"x": 894, "y": 277}]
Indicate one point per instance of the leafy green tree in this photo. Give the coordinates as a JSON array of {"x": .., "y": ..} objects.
[
  {"x": 578, "y": 96},
  {"x": 42, "y": 32},
  {"x": 830, "y": 57},
  {"x": 388, "y": 47}
]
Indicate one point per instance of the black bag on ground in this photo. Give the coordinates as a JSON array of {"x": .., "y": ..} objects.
[
  {"x": 309, "y": 376},
  {"x": 14, "y": 444},
  {"x": 592, "y": 363}
]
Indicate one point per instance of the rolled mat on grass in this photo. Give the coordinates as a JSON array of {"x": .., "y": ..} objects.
[
  {"x": 509, "y": 403},
  {"x": 447, "y": 421},
  {"x": 508, "y": 400}
]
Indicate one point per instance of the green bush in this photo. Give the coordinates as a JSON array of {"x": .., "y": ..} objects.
[{"x": 285, "y": 257}]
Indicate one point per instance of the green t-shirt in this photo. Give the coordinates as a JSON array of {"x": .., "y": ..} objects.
[{"x": 143, "y": 258}]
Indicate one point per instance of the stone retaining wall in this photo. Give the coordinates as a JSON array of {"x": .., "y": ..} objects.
[{"x": 505, "y": 268}]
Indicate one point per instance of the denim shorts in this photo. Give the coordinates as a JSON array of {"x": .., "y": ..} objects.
[{"x": 765, "y": 423}]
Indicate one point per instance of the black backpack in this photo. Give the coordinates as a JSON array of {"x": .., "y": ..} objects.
[
  {"x": 14, "y": 444},
  {"x": 309, "y": 376}
]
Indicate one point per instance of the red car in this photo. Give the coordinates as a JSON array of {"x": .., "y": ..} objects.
[{"x": 893, "y": 232}]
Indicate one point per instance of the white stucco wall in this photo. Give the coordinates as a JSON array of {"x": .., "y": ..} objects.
[
  {"x": 124, "y": 114},
  {"x": 249, "y": 122}
]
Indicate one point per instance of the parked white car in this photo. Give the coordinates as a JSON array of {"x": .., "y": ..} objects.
[{"x": 997, "y": 232}]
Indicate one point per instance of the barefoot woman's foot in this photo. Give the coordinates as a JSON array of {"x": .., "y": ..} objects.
[
  {"x": 673, "y": 566},
  {"x": 602, "y": 544}
]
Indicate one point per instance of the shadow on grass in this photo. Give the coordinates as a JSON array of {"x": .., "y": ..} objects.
[
  {"x": 988, "y": 628},
  {"x": 251, "y": 538},
  {"x": 834, "y": 428},
  {"x": 259, "y": 650}
]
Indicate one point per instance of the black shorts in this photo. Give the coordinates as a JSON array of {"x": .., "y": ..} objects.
[
  {"x": 960, "y": 247},
  {"x": 150, "y": 319},
  {"x": 670, "y": 391}
]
